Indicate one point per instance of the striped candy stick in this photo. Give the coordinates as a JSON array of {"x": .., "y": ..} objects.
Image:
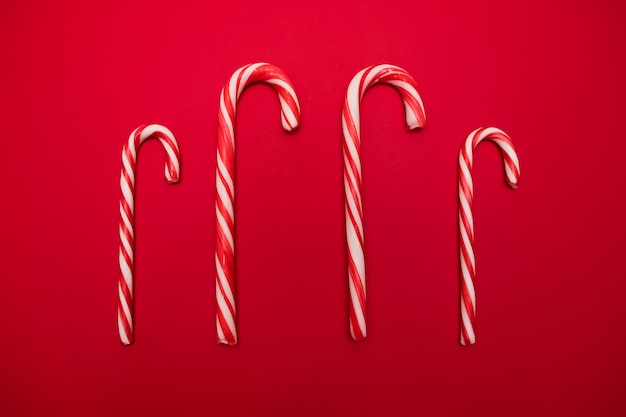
[
  {"x": 466, "y": 219},
  {"x": 127, "y": 214},
  {"x": 415, "y": 117},
  {"x": 225, "y": 186}
]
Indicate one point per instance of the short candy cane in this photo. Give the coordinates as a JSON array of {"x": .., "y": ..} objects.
[
  {"x": 127, "y": 214},
  {"x": 225, "y": 186},
  {"x": 466, "y": 219},
  {"x": 351, "y": 122}
]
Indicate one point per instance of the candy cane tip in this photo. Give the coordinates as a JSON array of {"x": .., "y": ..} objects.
[
  {"x": 290, "y": 129},
  {"x": 469, "y": 342},
  {"x": 226, "y": 342},
  {"x": 414, "y": 123},
  {"x": 358, "y": 337},
  {"x": 413, "y": 126}
]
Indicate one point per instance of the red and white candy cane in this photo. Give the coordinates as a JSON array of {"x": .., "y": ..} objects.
[
  {"x": 351, "y": 122},
  {"x": 466, "y": 219},
  {"x": 225, "y": 185},
  {"x": 127, "y": 214}
]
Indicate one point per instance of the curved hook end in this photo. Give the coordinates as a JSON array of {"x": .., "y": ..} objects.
[
  {"x": 172, "y": 173},
  {"x": 291, "y": 122},
  {"x": 413, "y": 120}
]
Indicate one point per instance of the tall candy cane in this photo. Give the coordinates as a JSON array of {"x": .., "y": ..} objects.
[
  {"x": 466, "y": 219},
  {"x": 225, "y": 174},
  {"x": 127, "y": 214},
  {"x": 351, "y": 122}
]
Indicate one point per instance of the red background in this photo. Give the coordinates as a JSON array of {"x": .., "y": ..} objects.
[{"x": 78, "y": 78}]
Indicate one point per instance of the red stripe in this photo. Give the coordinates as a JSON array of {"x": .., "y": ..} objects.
[
  {"x": 221, "y": 207},
  {"x": 362, "y": 86},
  {"x": 467, "y": 302},
  {"x": 354, "y": 325},
  {"x": 228, "y": 334},
  {"x": 356, "y": 196},
  {"x": 464, "y": 334},
  {"x": 353, "y": 136},
  {"x": 357, "y": 282},
  {"x": 226, "y": 256},
  {"x": 356, "y": 227},
  {"x": 128, "y": 331},
  {"x": 127, "y": 256},
  {"x": 230, "y": 306}
]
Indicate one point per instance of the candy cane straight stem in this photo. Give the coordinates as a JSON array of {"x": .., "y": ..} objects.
[
  {"x": 466, "y": 218},
  {"x": 351, "y": 123},
  {"x": 127, "y": 214},
  {"x": 225, "y": 185}
]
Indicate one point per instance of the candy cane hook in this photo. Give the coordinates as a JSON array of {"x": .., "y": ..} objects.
[
  {"x": 466, "y": 218},
  {"x": 127, "y": 214},
  {"x": 414, "y": 117},
  {"x": 225, "y": 186}
]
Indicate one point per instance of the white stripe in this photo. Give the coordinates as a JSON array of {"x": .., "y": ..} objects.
[
  {"x": 225, "y": 175},
  {"x": 172, "y": 159},
  {"x": 128, "y": 169},
  {"x": 220, "y": 332},
  {"x": 490, "y": 131},
  {"x": 288, "y": 114},
  {"x": 360, "y": 317},
  {"x": 232, "y": 85},
  {"x": 226, "y": 287},
  {"x": 224, "y": 227},
  {"x": 468, "y": 143},
  {"x": 353, "y": 152},
  {"x": 468, "y": 328},
  {"x": 466, "y": 174},
  {"x": 121, "y": 330},
  {"x": 131, "y": 145},
  {"x": 125, "y": 306},
  {"x": 128, "y": 197},
  {"x": 369, "y": 79},
  {"x": 351, "y": 207},
  {"x": 152, "y": 129},
  {"x": 410, "y": 114},
  {"x": 410, "y": 89},
  {"x": 356, "y": 252},
  {"x": 126, "y": 272},
  {"x": 225, "y": 199},
  {"x": 353, "y": 99},
  {"x": 288, "y": 89},
  {"x": 247, "y": 74},
  {"x": 126, "y": 221},
  {"x": 465, "y": 209},
  {"x": 127, "y": 246},
  {"x": 225, "y": 115},
  {"x": 465, "y": 242}
]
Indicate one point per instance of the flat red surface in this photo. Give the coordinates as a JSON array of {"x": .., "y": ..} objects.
[{"x": 77, "y": 78}]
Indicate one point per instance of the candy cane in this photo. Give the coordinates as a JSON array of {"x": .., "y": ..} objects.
[
  {"x": 127, "y": 214},
  {"x": 414, "y": 117},
  {"x": 466, "y": 219},
  {"x": 225, "y": 186}
]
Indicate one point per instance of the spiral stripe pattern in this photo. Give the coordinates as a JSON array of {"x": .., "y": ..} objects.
[
  {"x": 466, "y": 219},
  {"x": 127, "y": 214},
  {"x": 351, "y": 121},
  {"x": 225, "y": 185}
]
